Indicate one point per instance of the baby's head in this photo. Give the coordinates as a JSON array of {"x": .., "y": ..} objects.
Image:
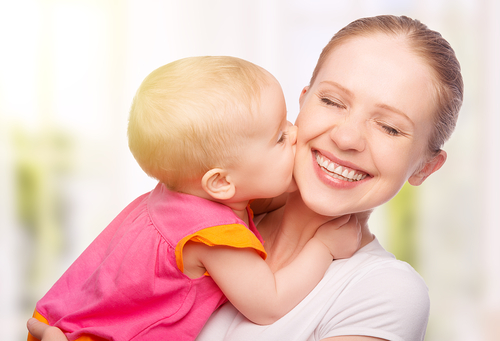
[{"x": 192, "y": 115}]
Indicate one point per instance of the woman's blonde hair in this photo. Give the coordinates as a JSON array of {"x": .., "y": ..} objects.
[
  {"x": 190, "y": 115},
  {"x": 432, "y": 48}
]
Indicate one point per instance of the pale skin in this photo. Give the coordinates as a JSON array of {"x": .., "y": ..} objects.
[
  {"x": 259, "y": 293},
  {"x": 371, "y": 82},
  {"x": 369, "y": 110}
]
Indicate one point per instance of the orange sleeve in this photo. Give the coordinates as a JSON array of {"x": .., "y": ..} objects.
[
  {"x": 234, "y": 235},
  {"x": 40, "y": 318}
]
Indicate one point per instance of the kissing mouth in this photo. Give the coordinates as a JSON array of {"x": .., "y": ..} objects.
[{"x": 337, "y": 171}]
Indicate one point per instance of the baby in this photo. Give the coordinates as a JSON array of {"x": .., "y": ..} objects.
[{"x": 213, "y": 132}]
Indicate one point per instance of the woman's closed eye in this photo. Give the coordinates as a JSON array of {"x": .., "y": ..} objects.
[
  {"x": 391, "y": 130},
  {"x": 333, "y": 103}
]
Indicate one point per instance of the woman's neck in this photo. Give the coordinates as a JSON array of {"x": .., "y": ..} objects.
[{"x": 288, "y": 229}]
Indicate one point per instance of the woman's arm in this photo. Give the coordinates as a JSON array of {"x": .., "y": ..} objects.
[{"x": 258, "y": 293}]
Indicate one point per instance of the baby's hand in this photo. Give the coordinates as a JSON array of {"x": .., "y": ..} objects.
[
  {"x": 342, "y": 236},
  {"x": 44, "y": 332}
]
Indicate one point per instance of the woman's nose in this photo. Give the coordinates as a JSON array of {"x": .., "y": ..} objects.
[{"x": 348, "y": 134}]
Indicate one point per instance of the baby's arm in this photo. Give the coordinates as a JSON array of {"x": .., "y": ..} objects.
[{"x": 263, "y": 296}]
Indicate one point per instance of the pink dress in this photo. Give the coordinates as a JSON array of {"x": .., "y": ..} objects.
[{"x": 128, "y": 284}]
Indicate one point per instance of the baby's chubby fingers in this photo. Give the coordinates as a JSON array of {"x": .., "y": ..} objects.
[
  {"x": 44, "y": 332},
  {"x": 337, "y": 222},
  {"x": 341, "y": 236}
]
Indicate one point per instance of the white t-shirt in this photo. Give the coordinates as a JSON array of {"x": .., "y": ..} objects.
[{"x": 370, "y": 294}]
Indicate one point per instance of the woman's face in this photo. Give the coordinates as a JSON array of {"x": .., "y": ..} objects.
[{"x": 364, "y": 126}]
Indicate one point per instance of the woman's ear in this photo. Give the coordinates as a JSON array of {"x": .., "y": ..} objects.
[
  {"x": 428, "y": 168},
  {"x": 217, "y": 183},
  {"x": 302, "y": 95}
]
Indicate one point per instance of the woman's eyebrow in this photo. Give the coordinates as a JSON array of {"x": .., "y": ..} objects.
[
  {"x": 395, "y": 110},
  {"x": 382, "y": 105},
  {"x": 337, "y": 85}
]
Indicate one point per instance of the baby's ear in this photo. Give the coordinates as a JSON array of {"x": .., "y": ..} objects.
[
  {"x": 428, "y": 168},
  {"x": 217, "y": 183}
]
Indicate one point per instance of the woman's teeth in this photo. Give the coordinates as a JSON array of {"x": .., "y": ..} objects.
[{"x": 337, "y": 171}]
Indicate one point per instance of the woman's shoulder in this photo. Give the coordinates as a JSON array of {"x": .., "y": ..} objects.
[
  {"x": 380, "y": 261},
  {"x": 375, "y": 287},
  {"x": 370, "y": 294},
  {"x": 374, "y": 265},
  {"x": 375, "y": 275}
]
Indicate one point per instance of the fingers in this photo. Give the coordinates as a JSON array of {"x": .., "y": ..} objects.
[
  {"x": 352, "y": 236},
  {"x": 341, "y": 221},
  {"x": 364, "y": 216},
  {"x": 356, "y": 226},
  {"x": 36, "y": 328},
  {"x": 334, "y": 224},
  {"x": 44, "y": 332}
]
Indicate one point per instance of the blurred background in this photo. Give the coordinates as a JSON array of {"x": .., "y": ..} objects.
[{"x": 69, "y": 70}]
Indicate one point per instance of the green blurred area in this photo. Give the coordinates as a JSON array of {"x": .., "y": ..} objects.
[
  {"x": 402, "y": 229},
  {"x": 41, "y": 162}
]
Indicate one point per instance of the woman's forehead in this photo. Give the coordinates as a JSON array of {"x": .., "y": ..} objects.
[
  {"x": 380, "y": 73},
  {"x": 380, "y": 66}
]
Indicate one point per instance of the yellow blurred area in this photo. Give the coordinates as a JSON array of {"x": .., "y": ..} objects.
[{"x": 69, "y": 70}]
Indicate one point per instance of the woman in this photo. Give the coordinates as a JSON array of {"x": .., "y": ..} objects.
[{"x": 382, "y": 100}]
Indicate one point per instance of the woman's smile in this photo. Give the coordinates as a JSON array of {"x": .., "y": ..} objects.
[
  {"x": 337, "y": 171},
  {"x": 371, "y": 135}
]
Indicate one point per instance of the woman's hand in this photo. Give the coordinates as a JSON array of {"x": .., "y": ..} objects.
[
  {"x": 45, "y": 332},
  {"x": 342, "y": 236}
]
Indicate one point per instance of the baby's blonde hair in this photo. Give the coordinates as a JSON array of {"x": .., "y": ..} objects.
[{"x": 189, "y": 116}]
